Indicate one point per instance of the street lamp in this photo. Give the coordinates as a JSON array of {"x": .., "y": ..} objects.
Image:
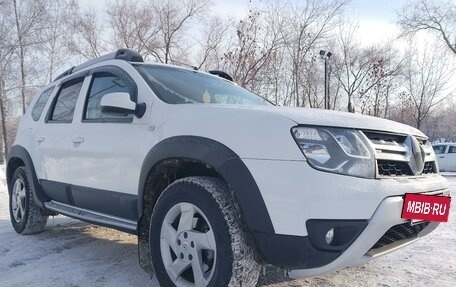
[{"x": 326, "y": 56}]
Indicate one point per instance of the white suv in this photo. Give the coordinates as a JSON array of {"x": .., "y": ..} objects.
[{"x": 214, "y": 180}]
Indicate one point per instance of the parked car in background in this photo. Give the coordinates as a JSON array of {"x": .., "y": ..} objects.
[{"x": 446, "y": 156}]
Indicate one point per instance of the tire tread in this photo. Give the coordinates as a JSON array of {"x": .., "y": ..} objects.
[{"x": 245, "y": 270}]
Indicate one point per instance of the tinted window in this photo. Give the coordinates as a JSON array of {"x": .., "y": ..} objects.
[
  {"x": 180, "y": 86},
  {"x": 102, "y": 84},
  {"x": 452, "y": 149},
  {"x": 66, "y": 101},
  {"x": 40, "y": 103},
  {"x": 439, "y": 149}
]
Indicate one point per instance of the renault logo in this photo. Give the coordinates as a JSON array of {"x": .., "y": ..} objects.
[{"x": 416, "y": 155}]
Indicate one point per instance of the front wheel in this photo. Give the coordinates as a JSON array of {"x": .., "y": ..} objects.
[{"x": 196, "y": 237}]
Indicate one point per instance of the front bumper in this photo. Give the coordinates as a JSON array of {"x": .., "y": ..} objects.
[
  {"x": 295, "y": 193},
  {"x": 296, "y": 252},
  {"x": 386, "y": 216}
]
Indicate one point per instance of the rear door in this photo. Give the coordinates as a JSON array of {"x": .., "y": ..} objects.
[
  {"x": 52, "y": 139},
  {"x": 106, "y": 151},
  {"x": 37, "y": 113}
]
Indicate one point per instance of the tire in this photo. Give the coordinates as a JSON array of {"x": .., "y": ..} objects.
[
  {"x": 196, "y": 223},
  {"x": 26, "y": 217}
]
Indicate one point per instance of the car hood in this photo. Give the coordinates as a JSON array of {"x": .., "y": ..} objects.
[{"x": 319, "y": 117}]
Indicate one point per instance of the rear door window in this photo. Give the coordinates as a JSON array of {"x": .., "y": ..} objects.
[
  {"x": 66, "y": 101},
  {"x": 452, "y": 149}
]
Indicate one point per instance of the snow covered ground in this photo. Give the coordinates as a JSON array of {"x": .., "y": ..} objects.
[{"x": 70, "y": 253}]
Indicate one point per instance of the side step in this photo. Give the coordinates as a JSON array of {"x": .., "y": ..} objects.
[{"x": 92, "y": 217}]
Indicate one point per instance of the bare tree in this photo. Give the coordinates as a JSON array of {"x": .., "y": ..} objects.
[
  {"x": 402, "y": 109},
  {"x": 4, "y": 150},
  {"x": 174, "y": 18},
  {"x": 134, "y": 26},
  {"x": 359, "y": 69},
  {"x": 214, "y": 34},
  {"x": 8, "y": 45},
  {"x": 382, "y": 80},
  {"x": 86, "y": 32},
  {"x": 307, "y": 82},
  {"x": 251, "y": 50},
  {"x": 427, "y": 75},
  {"x": 155, "y": 29},
  {"x": 21, "y": 42},
  {"x": 437, "y": 17},
  {"x": 439, "y": 124},
  {"x": 52, "y": 46},
  {"x": 308, "y": 23},
  {"x": 27, "y": 16},
  {"x": 274, "y": 52}
]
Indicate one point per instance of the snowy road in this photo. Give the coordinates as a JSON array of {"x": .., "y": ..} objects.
[{"x": 70, "y": 253}]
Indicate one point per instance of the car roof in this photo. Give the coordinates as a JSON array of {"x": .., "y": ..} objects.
[
  {"x": 131, "y": 57},
  {"x": 121, "y": 54}
]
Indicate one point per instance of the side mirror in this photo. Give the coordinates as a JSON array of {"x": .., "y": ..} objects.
[{"x": 121, "y": 103}]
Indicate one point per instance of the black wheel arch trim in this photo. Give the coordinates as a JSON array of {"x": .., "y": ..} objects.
[
  {"x": 21, "y": 153},
  {"x": 225, "y": 162}
]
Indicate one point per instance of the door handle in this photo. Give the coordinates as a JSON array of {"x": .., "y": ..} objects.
[
  {"x": 441, "y": 157},
  {"x": 78, "y": 140},
  {"x": 40, "y": 139}
]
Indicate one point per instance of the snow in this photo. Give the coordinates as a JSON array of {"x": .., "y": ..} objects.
[{"x": 71, "y": 253}]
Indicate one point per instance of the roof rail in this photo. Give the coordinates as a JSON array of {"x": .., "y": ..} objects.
[
  {"x": 120, "y": 54},
  {"x": 221, "y": 74}
]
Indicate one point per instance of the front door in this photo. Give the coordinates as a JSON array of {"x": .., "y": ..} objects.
[{"x": 106, "y": 151}]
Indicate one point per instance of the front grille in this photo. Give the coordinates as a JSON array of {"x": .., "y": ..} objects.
[
  {"x": 428, "y": 168},
  {"x": 393, "y": 153},
  {"x": 393, "y": 168},
  {"x": 401, "y": 168},
  {"x": 400, "y": 232}
]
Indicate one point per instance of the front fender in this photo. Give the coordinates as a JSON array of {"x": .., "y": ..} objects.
[{"x": 225, "y": 162}]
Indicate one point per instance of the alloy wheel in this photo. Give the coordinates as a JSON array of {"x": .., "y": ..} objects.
[{"x": 188, "y": 247}]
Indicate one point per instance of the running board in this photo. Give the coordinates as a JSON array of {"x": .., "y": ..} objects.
[{"x": 92, "y": 217}]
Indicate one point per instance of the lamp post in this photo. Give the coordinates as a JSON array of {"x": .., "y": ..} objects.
[{"x": 326, "y": 56}]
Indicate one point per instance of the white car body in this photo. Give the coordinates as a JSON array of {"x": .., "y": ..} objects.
[
  {"x": 110, "y": 156},
  {"x": 446, "y": 156}
]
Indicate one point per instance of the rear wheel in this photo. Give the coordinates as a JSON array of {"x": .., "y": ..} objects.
[
  {"x": 196, "y": 237},
  {"x": 25, "y": 215}
]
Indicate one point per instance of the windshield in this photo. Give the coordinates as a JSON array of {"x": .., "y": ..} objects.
[{"x": 180, "y": 86}]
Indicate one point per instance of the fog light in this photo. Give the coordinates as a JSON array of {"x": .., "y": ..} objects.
[{"x": 329, "y": 236}]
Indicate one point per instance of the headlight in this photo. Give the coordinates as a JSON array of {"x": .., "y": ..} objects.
[{"x": 337, "y": 150}]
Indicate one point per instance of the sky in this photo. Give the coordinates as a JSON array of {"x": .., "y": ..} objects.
[{"x": 375, "y": 18}]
